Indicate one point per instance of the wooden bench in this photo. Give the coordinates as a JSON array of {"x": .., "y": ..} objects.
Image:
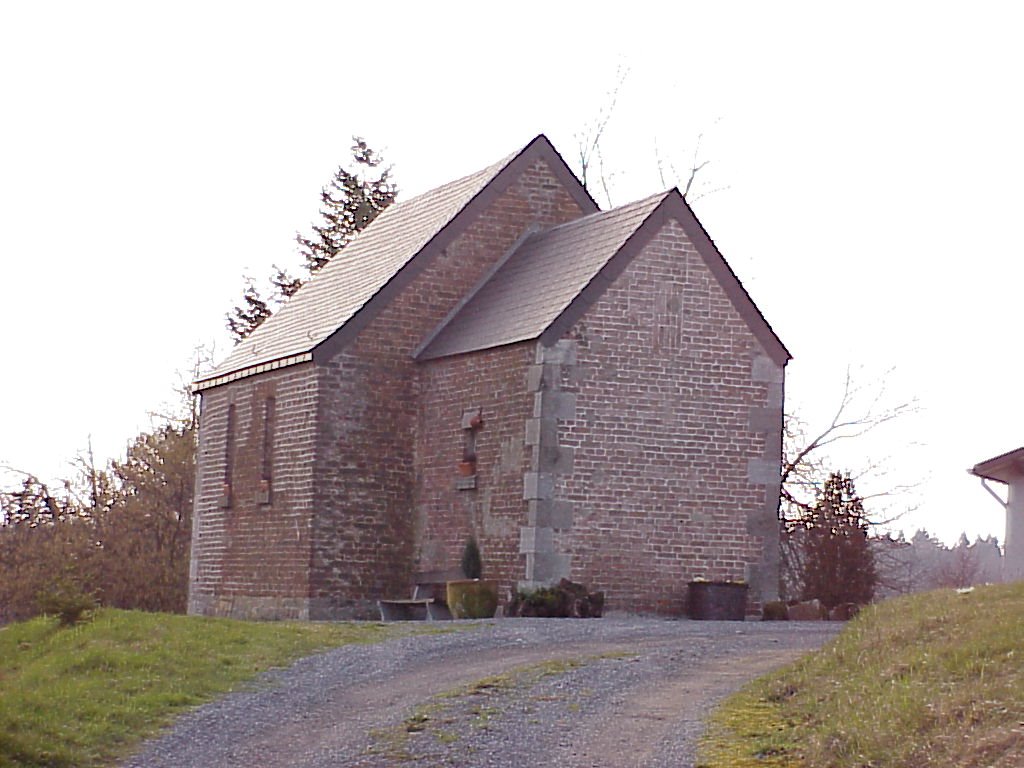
[{"x": 428, "y": 601}]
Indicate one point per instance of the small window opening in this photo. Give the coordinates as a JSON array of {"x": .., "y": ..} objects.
[
  {"x": 229, "y": 457},
  {"x": 266, "y": 478},
  {"x": 472, "y": 421}
]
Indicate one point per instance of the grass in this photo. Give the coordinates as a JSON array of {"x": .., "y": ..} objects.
[
  {"x": 928, "y": 680},
  {"x": 85, "y": 695}
]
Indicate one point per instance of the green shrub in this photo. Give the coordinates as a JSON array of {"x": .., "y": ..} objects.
[
  {"x": 472, "y": 565},
  {"x": 68, "y": 603}
]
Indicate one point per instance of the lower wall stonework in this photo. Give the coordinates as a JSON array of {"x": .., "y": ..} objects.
[{"x": 250, "y": 547}]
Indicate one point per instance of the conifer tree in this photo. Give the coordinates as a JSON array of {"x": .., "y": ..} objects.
[
  {"x": 353, "y": 198},
  {"x": 247, "y": 318},
  {"x": 838, "y": 564},
  {"x": 349, "y": 202}
]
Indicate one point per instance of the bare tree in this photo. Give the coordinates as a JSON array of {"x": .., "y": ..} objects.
[
  {"x": 806, "y": 465},
  {"x": 588, "y": 141},
  {"x": 669, "y": 175}
]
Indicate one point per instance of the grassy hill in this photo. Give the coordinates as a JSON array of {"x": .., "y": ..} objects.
[
  {"x": 82, "y": 696},
  {"x": 928, "y": 680}
]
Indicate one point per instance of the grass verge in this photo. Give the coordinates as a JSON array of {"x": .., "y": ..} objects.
[
  {"x": 84, "y": 695},
  {"x": 927, "y": 680}
]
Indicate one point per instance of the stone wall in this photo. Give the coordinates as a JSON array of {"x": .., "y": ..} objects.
[
  {"x": 663, "y": 439},
  {"x": 364, "y": 540},
  {"x": 251, "y": 527},
  {"x": 489, "y": 504}
]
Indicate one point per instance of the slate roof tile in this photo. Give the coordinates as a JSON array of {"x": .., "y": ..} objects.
[
  {"x": 538, "y": 281},
  {"x": 330, "y": 299}
]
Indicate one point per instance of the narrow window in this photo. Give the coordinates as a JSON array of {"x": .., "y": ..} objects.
[
  {"x": 229, "y": 457},
  {"x": 268, "y": 451},
  {"x": 472, "y": 421}
]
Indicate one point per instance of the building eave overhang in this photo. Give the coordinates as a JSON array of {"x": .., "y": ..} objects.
[
  {"x": 1004, "y": 468},
  {"x": 203, "y": 384}
]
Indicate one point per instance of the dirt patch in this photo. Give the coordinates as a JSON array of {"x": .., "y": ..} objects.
[{"x": 634, "y": 731}]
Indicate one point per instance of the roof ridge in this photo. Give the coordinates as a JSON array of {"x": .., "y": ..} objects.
[
  {"x": 331, "y": 308},
  {"x": 590, "y": 217}
]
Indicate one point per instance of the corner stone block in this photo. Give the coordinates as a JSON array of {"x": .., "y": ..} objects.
[
  {"x": 550, "y": 567},
  {"x": 765, "y": 420},
  {"x": 563, "y": 352},
  {"x": 760, "y": 524},
  {"x": 541, "y": 432},
  {"x": 535, "y": 378},
  {"x": 547, "y": 513},
  {"x": 538, "y": 485},
  {"x": 763, "y": 471},
  {"x": 764, "y": 368},
  {"x": 773, "y": 450},
  {"x": 558, "y": 460},
  {"x": 543, "y": 376},
  {"x": 533, "y": 540},
  {"x": 555, "y": 405}
]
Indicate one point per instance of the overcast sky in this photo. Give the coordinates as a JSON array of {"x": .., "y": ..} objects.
[{"x": 864, "y": 181}]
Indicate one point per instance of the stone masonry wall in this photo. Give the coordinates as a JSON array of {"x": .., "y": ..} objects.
[
  {"x": 668, "y": 415},
  {"x": 250, "y": 552},
  {"x": 489, "y": 505},
  {"x": 364, "y": 538}
]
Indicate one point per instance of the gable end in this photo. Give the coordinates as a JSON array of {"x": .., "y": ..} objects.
[{"x": 673, "y": 207}]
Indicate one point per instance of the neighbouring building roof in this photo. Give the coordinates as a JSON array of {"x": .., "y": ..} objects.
[{"x": 1002, "y": 468}]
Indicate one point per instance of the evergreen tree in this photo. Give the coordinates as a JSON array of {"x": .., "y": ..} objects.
[
  {"x": 349, "y": 202},
  {"x": 838, "y": 564},
  {"x": 247, "y": 318}
]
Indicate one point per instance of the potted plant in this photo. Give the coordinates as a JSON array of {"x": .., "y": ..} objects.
[
  {"x": 472, "y": 597},
  {"x": 717, "y": 600}
]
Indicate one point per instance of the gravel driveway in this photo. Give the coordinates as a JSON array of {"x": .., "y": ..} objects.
[{"x": 513, "y": 692}]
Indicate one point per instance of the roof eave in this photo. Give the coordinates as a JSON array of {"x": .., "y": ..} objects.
[
  {"x": 201, "y": 385},
  {"x": 1002, "y": 468}
]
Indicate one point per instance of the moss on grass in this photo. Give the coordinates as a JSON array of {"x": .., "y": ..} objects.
[{"x": 928, "y": 680}]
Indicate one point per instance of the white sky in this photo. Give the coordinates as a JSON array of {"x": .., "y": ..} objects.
[{"x": 869, "y": 162}]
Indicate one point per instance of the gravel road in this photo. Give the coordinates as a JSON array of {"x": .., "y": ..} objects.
[{"x": 513, "y": 692}]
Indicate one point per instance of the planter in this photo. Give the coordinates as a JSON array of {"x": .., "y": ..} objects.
[
  {"x": 467, "y": 468},
  {"x": 472, "y": 598},
  {"x": 717, "y": 600}
]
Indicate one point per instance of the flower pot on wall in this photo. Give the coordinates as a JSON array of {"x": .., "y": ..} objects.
[
  {"x": 717, "y": 600},
  {"x": 472, "y": 598},
  {"x": 467, "y": 468}
]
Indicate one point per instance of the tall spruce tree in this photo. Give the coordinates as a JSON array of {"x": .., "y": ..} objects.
[
  {"x": 349, "y": 202},
  {"x": 838, "y": 565},
  {"x": 244, "y": 319}
]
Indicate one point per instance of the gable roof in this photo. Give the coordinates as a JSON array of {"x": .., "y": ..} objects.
[
  {"x": 551, "y": 278},
  {"x": 537, "y": 282},
  {"x": 330, "y": 308}
]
